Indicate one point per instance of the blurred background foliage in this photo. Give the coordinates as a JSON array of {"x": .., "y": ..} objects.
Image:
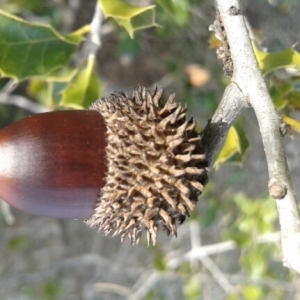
[{"x": 229, "y": 249}]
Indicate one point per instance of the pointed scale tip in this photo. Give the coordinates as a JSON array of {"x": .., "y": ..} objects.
[{"x": 53, "y": 164}]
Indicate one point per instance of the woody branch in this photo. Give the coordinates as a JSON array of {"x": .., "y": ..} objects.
[{"x": 248, "y": 88}]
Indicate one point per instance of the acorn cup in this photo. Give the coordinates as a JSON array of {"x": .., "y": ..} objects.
[{"x": 125, "y": 166}]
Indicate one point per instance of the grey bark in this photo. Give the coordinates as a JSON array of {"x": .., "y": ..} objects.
[{"x": 248, "y": 87}]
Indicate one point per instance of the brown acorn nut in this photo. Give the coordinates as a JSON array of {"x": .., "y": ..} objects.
[
  {"x": 52, "y": 164},
  {"x": 128, "y": 165}
]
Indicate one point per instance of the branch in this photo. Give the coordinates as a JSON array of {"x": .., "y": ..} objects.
[
  {"x": 145, "y": 284},
  {"x": 249, "y": 81},
  {"x": 20, "y": 101},
  {"x": 96, "y": 28},
  {"x": 93, "y": 42},
  {"x": 230, "y": 107},
  {"x": 107, "y": 287},
  {"x": 174, "y": 261},
  {"x": 207, "y": 262},
  {"x": 7, "y": 214}
]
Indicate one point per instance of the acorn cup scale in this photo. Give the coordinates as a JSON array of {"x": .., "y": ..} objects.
[
  {"x": 126, "y": 166},
  {"x": 53, "y": 164}
]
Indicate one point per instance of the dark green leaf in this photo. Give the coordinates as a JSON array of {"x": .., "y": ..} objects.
[{"x": 29, "y": 49}]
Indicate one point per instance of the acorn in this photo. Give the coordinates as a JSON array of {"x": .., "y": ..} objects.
[{"x": 126, "y": 166}]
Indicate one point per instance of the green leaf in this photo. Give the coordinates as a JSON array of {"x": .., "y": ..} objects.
[
  {"x": 51, "y": 289},
  {"x": 37, "y": 88},
  {"x": 269, "y": 62},
  {"x": 65, "y": 74},
  {"x": 16, "y": 243},
  {"x": 192, "y": 288},
  {"x": 47, "y": 290},
  {"x": 132, "y": 18},
  {"x": 32, "y": 50},
  {"x": 83, "y": 90},
  {"x": 33, "y": 5},
  {"x": 278, "y": 94},
  {"x": 179, "y": 10},
  {"x": 293, "y": 99},
  {"x": 253, "y": 292},
  {"x": 260, "y": 213},
  {"x": 254, "y": 217},
  {"x": 235, "y": 146},
  {"x": 48, "y": 91},
  {"x": 255, "y": 260},
  {"x": 244, "y": 143},
  {"x": 210, "y": 214},
  {"x": 160, "y": 262}
]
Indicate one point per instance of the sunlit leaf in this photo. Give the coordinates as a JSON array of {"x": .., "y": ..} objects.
[
  {"x": 252, "y": 292},
  {"x": 255, "y": 261},
  {"x": 244, "y": 143},
  {"x": 233, "y": 297},
  {"x": 230, "y": 147},
  {"x": 235, "y": 146},
  {"x": 292, "y": 122},
  {"x": 48, "y": 90},
  {"x": 31, "y": 50},
  {"x": 37, "y": 88},
  {"x": 79, "y": 33},
  {"x": 122, "y": 10},
  {"x": 62, "y": 75},
  {"x": 269, "y": 61},
  {"x": 260, "y": 213},
  {"x": 83, "y": 90},
  {"x": 131, "y": 17},
  {"x": 254, "y": 217}
]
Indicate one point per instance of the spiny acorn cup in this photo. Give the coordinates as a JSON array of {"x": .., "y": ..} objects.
[{"x": 126, "y": 165}]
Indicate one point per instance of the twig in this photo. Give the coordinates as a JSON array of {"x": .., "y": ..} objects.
[
  {"x": 96, "y": 28},
  {"x": 218, "y": 275},
  {"x": 7, "y": 213},
  {"x": 107, "y": 287},
  {"x": 195, "y": 241},
  {"x": 214, "y": 249},
  {"x": 22, "y": 102},
  {"x": 9, "y": 87},
  {"x": 145, "y": 286},
  {"x": 230, "y": 107},
  {"x": 93, "y": 42},
  {"x": 207, "y": 262},
  {"x": 248, "y": 78}
]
